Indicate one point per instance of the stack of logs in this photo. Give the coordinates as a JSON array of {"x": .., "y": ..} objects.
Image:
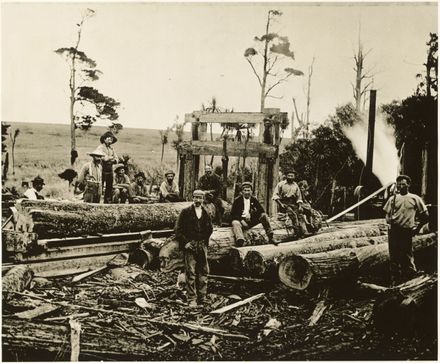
[{"x": 58, "y": 238}]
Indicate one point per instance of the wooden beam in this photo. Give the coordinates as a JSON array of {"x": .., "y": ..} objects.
[
  {"x": 237, "y": 304},
  {"x": 232, "y": 117},
  {"x": 233, "y": 148}
]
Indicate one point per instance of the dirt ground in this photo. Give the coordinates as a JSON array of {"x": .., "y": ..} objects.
[{"x": 344, "y": 332}]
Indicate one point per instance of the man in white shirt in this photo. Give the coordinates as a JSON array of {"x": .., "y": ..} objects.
[
  {"x": 247, "y": 212},
  {"x": 401, "y": 212},
  {"x": 37, "y": 186}
]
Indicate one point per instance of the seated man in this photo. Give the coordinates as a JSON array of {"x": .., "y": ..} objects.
[
  {"x": 169, "y": 190},
  {"x": 34, "y": 192},
  {"x": 121, "y": 187},
  {"x": 247, "y": 212},
  {"x": 289, "y": 199},
  {"x": 139, "y": 189},
  {"x": 312, "y": 217},
  {"x": 211, "y": 184}
]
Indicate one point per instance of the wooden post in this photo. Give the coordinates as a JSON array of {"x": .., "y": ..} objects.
[
  {"x": 189, "y": 175},
  {"x": 196, "y": 158},
  {"x": 370, "y": 141},
  {"x": 181, "y": 181},
  {"x": 261, "y": 192},
  {"x": 225, "y": 165}
]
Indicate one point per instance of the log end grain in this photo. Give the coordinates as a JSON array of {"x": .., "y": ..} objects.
[
  {"x": 254, "y": 263},
  {"x": 295, "y": 272}
]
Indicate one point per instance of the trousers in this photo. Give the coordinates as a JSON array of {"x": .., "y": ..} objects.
[
  {"x": 107, "y": 180},
  {"x": 402, "y": 267},
  {"x": 196, "y": 270},
  {"x": 237, "y": 226}
]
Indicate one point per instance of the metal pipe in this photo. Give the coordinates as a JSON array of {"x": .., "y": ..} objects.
[{"x": 359, "y": 203}]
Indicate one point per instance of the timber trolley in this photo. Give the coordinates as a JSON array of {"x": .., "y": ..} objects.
[{"x": 264, "y": 146}]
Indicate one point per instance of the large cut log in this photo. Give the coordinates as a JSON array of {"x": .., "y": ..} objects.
[
  {"x": 299, "y": 271},
  {"x": 18, "y": 242},
  {"x": 19, "y": 335},
  {"x": 220, "y": 244},
  {"x": 52, "y": 219},
  {"x": 263, "y": 260},
  {"x": 408, "y": 307},
  {"x": 17, "y": 278}
]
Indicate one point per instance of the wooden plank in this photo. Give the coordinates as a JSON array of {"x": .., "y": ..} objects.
[
  {"x": 237, "y": 304},
  {"x": 38, "y": 311},
  {"x": 75, "y": 333},
  {"x": 81, "y": 251},
  {"x": 88, "y": 273},
  {"x": 116, "y": 237},
  {"x": 233, "y": 148},
  {"x": 232, "y": 117},
  {"x": 56, "y": 267}
]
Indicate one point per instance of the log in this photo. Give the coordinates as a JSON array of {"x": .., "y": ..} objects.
[
  {"x": 409, "y": 307},
  {"x": 299, "y": 271},
  {"x": 237, "y": 304},
  {"x": 262, "y": 260},
  {"x": 17, "y": 278},
  {"x": 19, "y": 242},
  {"x": 55, "y": 219},
  {"x": 38, "y": 311},
  {"x": 220, "y": 244}
]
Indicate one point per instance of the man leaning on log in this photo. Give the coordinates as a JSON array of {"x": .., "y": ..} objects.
[
  {"x": 247, "y": 212},
  {"x": 193, "y": 229},
  {"x": 401, "y": 211}
]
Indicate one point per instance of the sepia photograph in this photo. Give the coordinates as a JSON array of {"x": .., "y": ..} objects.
[{"x": 219, "y": 181}]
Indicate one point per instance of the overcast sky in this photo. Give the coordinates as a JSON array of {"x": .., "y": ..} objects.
[{"x": 166, "y": 59}]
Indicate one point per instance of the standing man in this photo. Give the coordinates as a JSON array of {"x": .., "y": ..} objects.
[
  {"x": 288, "y": 197},
  {"x": 139, "y": 189},
  {"x": 193, "y": 229},
  {"x": 90, "y": 176},
  {"x": 211, "y": 184},
  {"x": 401, "y": 211},
  {"x": 247, "y": 212},
  {"x": 169, "y": 190},
  {"x": 34, "y": 192},
  {"x": 110, "y": 158}
]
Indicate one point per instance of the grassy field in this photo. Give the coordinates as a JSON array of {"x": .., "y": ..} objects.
[{"x": 44, "y": 149}]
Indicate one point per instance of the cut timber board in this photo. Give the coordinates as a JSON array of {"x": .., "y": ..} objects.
[
  {"x": 58, "y": 267},
  {"x": 233, "y": 117},
  {"x": 233, "y": 148},
  {"x": 80, "y": 251}
]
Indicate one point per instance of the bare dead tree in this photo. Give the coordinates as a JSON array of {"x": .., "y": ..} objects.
[{"x": 13, "y": 141}]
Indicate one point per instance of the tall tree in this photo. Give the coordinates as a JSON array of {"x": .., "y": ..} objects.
[
  {"x": 274, "y": 51},
  {"x": 13, "y": 141},
  {"x": 360, "y": 88},
  {"x": 83, "y": 71}
]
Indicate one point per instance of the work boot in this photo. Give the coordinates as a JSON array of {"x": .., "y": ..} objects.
[{"x": 239, "y": 242}]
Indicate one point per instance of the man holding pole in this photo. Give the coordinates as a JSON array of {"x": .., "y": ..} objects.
[{"x": 401, "y": 212}]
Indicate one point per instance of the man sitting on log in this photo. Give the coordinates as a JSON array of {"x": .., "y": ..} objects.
[
  {"x": 211, "y": 184},
  {"x": 169, "y": 190},
  {"x": 247, "y": 212},
  {"x": 34, "y": 192},
  {"x": 312, "y": 217},
  {"x": 139, "y": 189},
  {"x": 289, "y": 199},
  {"x": 90, "y": 178},
  {"x": 401, "y": 211},
  {"x": 193, "y": 229},
  {"x": 122, "y": 187}
]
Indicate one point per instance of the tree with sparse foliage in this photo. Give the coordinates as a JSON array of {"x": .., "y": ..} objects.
[
  {"x": 87, "y": 104},
  {"x": 271, "y": 56},
  {"x": 13, "y": 141},
  {"x": 164, "y": 140}
]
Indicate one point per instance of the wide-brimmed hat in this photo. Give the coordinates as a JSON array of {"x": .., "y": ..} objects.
[
  {"x": 304, "y": 184},
  {"x": 198, "y": 192},
  {"x": 38, "y": 180},
  {"x": 97, "y": 152},
  {"x": 169, "y": 172},
  {"x": 246, "y": 184},
  {"x": 404, "y": 177},
  {"x": 140, "y": 173},
  {"x": 118, "y": 167},
  {"x": 108, "y": 134},
  {"x": 290, "y": 170}
]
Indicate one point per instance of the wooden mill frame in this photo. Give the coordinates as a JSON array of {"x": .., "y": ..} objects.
[{"x": 265, "y": 147}]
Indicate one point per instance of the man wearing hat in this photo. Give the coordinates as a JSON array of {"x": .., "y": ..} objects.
[
  {"x": 110, "y": 158},
  {"x": 401, "y": 210},
  {"x": 211, "y": 184},
  {"x": 193, "y": 229},
  {"x": 37, "y": 186},
  {"x": 169, "y": 190},
  {"x": 288, "y": 197},
  {"x": 122, "y": 185},
  {"x": 247, "y": 212},
  {"x": 139, "y": 189},
  {"x": 90, "y": 176}
]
